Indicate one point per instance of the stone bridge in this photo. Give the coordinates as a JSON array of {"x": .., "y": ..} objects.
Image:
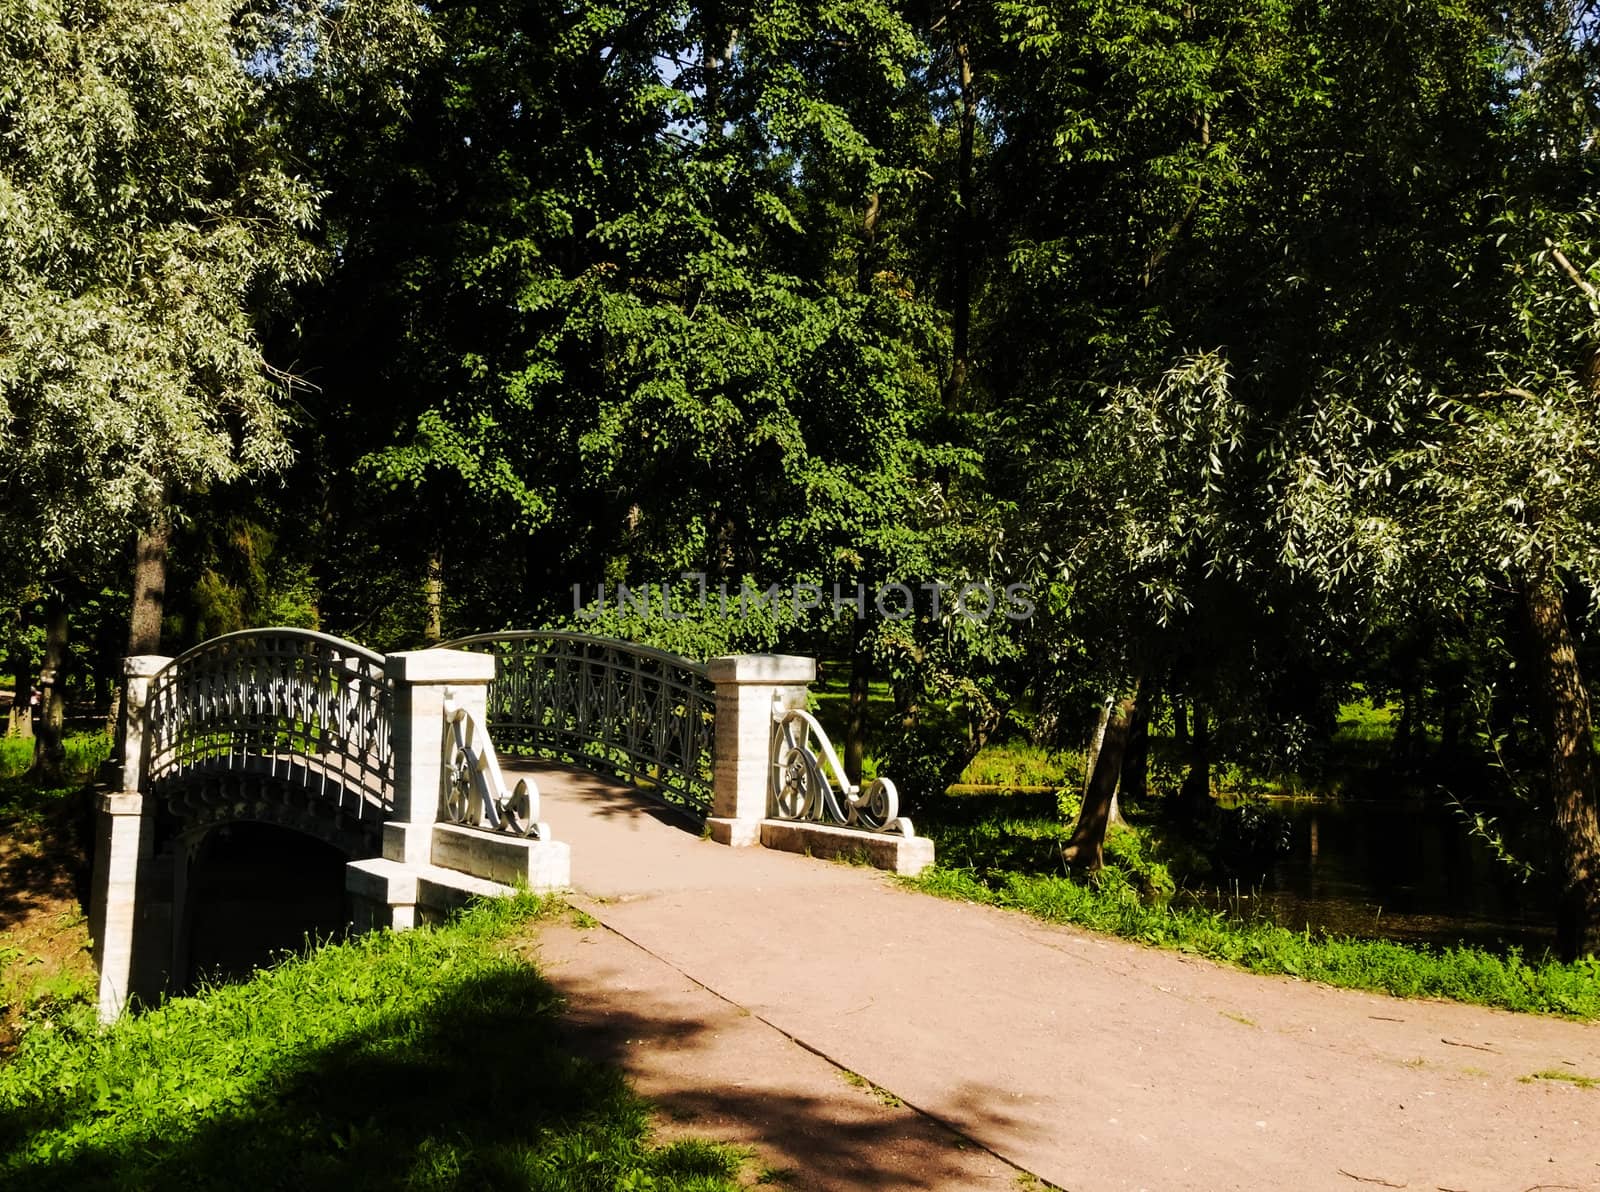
[{"x": 394, "y": 761}]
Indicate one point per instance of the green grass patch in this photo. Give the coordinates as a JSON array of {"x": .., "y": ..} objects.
[
  {"x": 1111, "y": 904},
  {"x": 426, "y": 1059},
  {"x": 1556, "y": 1074},
  {"x": 1023, "y": 764},
  {"x": 882, "y": 1095},
  {"x": 86, "y": 753}
]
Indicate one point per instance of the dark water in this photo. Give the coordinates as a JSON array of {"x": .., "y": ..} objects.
[
  {"x": 258, "y": 891},
  {"x": 1396, "y": 870}
]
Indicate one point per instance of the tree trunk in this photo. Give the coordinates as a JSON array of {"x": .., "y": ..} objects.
[
  {"x": 20, "y": 723},
  {"x": 433, "y": 599},
  {"x": 869, "y": 238},
  {"x": 149, "y": 587},
  {"x": 1096, "y": 743},
  {"x": 1180, "y": 722},
  {"x": 1563, "y": 705},
  {"x": 1087, "y": 842},
  {"x": 1194, "y": 796},
  {"x": 49, "y": 748},
  {"x": 855, "y": 725},
  {"x": 1136, "y": 762}
]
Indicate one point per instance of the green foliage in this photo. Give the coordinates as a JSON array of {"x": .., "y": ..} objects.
[
  {"x": 424, "y": 1059},
  {"x": 1461, "y": 974},
  {"x": 607, "y": 342},
  {"x": 143, "y": 210}
]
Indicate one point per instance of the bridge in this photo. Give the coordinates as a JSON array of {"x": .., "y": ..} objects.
[{"x": 395, "y": 763}]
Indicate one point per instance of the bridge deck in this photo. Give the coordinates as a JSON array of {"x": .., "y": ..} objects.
[{"x": 1091, "y": 1062}]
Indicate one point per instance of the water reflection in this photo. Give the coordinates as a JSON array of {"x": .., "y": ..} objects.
[{"x": 1398, "y": 870}]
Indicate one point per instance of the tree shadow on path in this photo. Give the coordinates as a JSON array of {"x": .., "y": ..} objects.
[{"x": 712, "y": 1065}]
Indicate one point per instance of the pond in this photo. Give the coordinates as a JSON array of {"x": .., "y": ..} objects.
[{"x": 1403, "y": 870}]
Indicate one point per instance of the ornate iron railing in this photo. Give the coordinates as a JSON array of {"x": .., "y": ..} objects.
[
  {"x": 638, "y": 713},
  {"x": 475, "y": 793},
  {"x": 284, "y": 703},
  {"x": 808, "y": 783}
]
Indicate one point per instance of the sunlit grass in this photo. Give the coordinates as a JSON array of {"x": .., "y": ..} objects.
[
  {"x": 1113, "y": 906},
  {"x": 427, "y": 1059},
  {"x": 86, "y": 753}
]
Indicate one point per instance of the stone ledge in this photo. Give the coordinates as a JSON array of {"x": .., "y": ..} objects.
[
  {"x": 381, "y": 880},
  {"x": 782, "y": 669},
  {"x": 740, "y": 833},
  {"x": 544, "y": 865},
  {"x": 439, "y": 666},
  {"x": 121, "y": 803},
  {"x": 385, "y": 893},
  {"x": 447, "y": 890},
  {"x": 908, "y": 855}
]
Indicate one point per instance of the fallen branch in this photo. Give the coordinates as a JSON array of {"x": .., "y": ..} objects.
[
  {"x": 1474, "y": 1046},
  {"x": 1370, "y": 1179}
]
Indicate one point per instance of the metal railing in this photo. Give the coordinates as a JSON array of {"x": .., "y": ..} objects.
[
  {"x": 808, "y": 783},
  {"x": 475, "y": 794},
  {"x": 638, "y": 713},
  {"x": 284, "y": 703}
]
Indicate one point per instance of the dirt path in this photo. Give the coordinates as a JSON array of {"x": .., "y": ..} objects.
[{"x": 1090, "y": 1062}]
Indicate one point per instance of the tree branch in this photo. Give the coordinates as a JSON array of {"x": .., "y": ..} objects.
[{"x": 1559, "y": 258}]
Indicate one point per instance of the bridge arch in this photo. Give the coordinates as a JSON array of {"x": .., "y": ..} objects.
[
  {"x": 275, "y": 729},
  {"x": 257, "y": 711},
  {"x": 246, "y": 891}
]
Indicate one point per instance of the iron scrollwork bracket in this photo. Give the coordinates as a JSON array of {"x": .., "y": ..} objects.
[
  {"x": 808, "y": 783},
  {"x": 475, "y": 794}
]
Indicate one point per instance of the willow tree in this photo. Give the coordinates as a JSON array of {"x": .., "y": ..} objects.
[
  {"x": 146, "y": 212},
  {"x": 1455, "y": 463}
]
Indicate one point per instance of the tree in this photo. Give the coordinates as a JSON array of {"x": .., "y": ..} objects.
[{"x": 1456, "y": 466}]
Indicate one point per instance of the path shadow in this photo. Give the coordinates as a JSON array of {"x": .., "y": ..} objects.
[
  {"x": 596, "y": 796},
  {"x": 843, "y": 1138}
]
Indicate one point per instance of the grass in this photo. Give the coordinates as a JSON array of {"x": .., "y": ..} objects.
[
  {"x": 421, "y": 1060},
  {"x": 882, "y": 1095},
  {"x": 1556, "y": 1074},
  {"x": 1111, "y": 904},
  {"x": 86, "y": 752}
]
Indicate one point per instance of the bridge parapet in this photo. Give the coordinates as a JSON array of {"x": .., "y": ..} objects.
[
  {"x": 638, "y": 713},
  {"x": 276, "y": 702}
]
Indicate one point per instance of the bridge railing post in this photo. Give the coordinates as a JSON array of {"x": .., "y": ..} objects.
[
  {"x": 423, "y": 680},
  {"x": 120, "y": 905},
  {"x": 748, "y": 688}
]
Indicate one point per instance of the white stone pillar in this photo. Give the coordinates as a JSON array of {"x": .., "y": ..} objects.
[
  {"x": 120, "y": 842},
  {"x": 124, "y": 837},
  {"x": 748, "y": 689},
  {"x": 133, "y": 727},
  {"x": 423, "y": 680}
]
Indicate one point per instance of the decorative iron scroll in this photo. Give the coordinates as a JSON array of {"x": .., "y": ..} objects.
[
  {"x": 285, "y": 703},
  {"x": 808, "y": 783},
  {"x": 606, "y": 705},
  {"x": 475, "y": 794}
]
